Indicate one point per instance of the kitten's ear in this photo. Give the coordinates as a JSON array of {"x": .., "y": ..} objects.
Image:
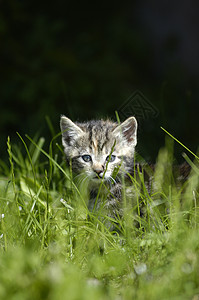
[
  {"x": 128, "y": 129},
  {"x": 70, "y": 131}
]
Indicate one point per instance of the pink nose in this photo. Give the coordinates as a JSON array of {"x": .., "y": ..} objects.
[{"x": 98, "y": 171}]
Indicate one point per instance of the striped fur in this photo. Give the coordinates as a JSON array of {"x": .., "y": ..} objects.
[{"x": 109, "y": 149}]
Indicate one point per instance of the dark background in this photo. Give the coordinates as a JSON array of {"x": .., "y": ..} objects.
[{"x": 67, "y": 57}]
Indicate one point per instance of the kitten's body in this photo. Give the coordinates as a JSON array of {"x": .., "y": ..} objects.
[{"x": 103, "y": 152}]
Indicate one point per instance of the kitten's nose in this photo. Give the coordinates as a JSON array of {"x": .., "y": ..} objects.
[{"x": 98, "y": 170}]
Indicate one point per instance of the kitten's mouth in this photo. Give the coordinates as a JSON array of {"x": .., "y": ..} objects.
[
  {"x": 97, "y": 178},
  {"x": 98, "y": 175}
]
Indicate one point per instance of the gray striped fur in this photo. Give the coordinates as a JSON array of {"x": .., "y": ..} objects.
[{"x": 100, "y": 139}]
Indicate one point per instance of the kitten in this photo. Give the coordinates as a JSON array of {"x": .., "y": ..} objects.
[{"x": 103, "y": 152}]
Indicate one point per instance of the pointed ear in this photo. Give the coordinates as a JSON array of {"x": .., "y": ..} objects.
[
  {"x": 127, "y": 129},
  {"x": 70, "y": 131}
]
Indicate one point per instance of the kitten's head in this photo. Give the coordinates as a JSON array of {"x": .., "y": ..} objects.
[{"x": 97, "y": 148}]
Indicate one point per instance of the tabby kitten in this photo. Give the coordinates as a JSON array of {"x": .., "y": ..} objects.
[{"x": 103, "y": 152}]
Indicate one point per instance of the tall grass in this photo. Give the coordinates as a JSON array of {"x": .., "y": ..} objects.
[{"x": 52, "y": 247}]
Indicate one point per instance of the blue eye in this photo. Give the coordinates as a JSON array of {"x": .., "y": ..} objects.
[
  {"x": 110, "y": 158},
  {"x": 86, "y": 158}
]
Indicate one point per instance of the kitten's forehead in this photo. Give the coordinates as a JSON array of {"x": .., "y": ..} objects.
[{"x": 99, "y": 137}]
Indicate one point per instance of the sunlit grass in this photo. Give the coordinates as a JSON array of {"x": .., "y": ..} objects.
[{"x": 52, "y": 247}]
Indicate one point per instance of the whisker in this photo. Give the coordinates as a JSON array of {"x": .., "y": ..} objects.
[
  {"x": 78, "y": 175},
  {"x": 85, "y": 178},
  {"x": 111, "y": 178},
  {"x": 81, "y": 178}
]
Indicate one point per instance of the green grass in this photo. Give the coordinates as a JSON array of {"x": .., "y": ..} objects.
[{"x": 50, "y": 249}]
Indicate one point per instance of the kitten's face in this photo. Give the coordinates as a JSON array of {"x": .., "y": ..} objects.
[{"x": 97, "y": 148}]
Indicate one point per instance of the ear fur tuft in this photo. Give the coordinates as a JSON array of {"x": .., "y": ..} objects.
[
  {"x": 128, "y": 129},
  {"x": 70, "y": 131}
]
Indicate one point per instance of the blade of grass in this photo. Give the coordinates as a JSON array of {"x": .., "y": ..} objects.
[
  {"x": 180, "y": 143},
  {"x": 29, "y": 157},
  {"x": 60, "y": 168}
]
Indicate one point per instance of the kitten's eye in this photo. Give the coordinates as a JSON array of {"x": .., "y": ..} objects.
[
  {"x": 110, "y": 159},
  {"x": 86, "y": 158}
]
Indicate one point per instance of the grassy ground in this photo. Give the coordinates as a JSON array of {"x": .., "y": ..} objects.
[{"x": 50, "y": 249}]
